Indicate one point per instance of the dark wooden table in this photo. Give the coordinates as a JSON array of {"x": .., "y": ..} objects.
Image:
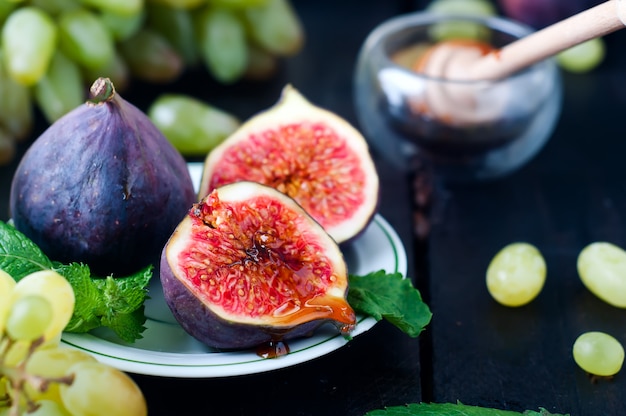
[{"x": 474, "y": 350}]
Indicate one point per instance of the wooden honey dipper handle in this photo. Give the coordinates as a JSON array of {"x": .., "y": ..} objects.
[{"x": 595, "y": 22}]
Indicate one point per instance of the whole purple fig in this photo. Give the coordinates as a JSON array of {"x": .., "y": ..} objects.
[{"x": 101, "y": 186}]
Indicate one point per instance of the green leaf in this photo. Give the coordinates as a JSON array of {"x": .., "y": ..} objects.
[
  {"x": 390, "y": 297},
  {"x": 125, "y": 295},
  {"x": 127, "y": 326},
  {"x": 117, "y": 303},
  {"x": 451, "y": 409},
  {"x": 88, "y": 298},
  {"x": 19, "y": 256}
]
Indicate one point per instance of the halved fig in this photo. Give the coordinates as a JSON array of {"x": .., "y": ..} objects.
[
  {"x": 308, "y": 153},
  {"x": 248, "y": 266}
]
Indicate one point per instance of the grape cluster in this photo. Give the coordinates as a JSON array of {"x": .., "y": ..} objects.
[
  {"x": 50, "y": 50},
  {"x": 37, "y": 375}
]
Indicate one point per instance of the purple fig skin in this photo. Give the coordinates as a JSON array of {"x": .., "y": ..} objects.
[
  {"x": 210, "y": 329},
  {"x": 101, "y": 186}
]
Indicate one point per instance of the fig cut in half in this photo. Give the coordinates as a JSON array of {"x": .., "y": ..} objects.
[
  {"x": 249, "y": 267},
  {"x": 308, "y": 153}
]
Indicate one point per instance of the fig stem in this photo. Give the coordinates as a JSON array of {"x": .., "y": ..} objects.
[{"x": 101, "y": 91}]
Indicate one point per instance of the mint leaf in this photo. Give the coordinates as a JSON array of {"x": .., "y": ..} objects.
[
  {"x": 123, "y": 306},
  {"x": 117, "y": 303},
  {"x": 19, "y": 256},
  {"x": 88, "y": 298},
  {"x": 450, "y": 409},
  {"x": 390, "y": 297},
  {"x": 125, "y": 295},
  {"x": 127, "y": 326}
]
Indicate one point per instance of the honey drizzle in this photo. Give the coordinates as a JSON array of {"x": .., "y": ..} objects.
[{"x": 273, "y": 349}]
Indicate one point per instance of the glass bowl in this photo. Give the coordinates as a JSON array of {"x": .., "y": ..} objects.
[{"x": 506, "y": 121}]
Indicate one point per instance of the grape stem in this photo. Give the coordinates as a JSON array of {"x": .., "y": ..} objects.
[
  {"x": 17, "y": 376},
  {"x": 4, "y": 399},
  {"x": 4, "y": 347}
]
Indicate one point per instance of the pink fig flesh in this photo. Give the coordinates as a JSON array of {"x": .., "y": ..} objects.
[
  {"x": 249, "y": 266},
  {"x": 308, "y": 153}
]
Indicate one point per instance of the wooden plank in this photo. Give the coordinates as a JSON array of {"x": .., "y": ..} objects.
[{"x": 570, "y": 195}]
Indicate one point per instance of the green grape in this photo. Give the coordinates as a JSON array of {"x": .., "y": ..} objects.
[
  {"x": 49, "y": 408},
  {"x": 56, "y": 289},
  {"x": 4, "y": 391},
  {"x": 19, "y": 350},
  {"x": 119, "y": 7},
  {"x": 150, "y": 57},
  {"x": 54, "y": 363},
  {"x": 28, "y": 318},
  {"x": 516, "y": 274},
  {"x": 275, "y": 27},
  {"x": 54, "y": 7},
  {"x": 222, "y": 43},
  {"x": 239, "y": 3},
  {"x": 192, "y": 126},
  {"x": 583, "y": 57},
  {"x": 16, "y": 107},
  {"x": 463, "y": 7},
  {"x": 61, "y": 89},
  {"x": 29, "y": 39},
  {"x": 94, "y": 386},
  {"x": 181, "y": 4},
  {"x": 16, "y": 353},
  {"x": 458, "y": 29},
  {"x": 6, "y": 7},
  {"x": 598, "y": 353},
  {"x": 84, "y": 38},
  {"x": 261, "y": 64},
  {"x": 122, "y": 27},
  {"x": 176, "y": 25},
  {"x": 6, "y": 294},
  {"x": 602, "y": 269}
]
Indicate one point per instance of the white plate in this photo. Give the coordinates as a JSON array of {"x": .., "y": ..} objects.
[{"x": 167, "y": 350}]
